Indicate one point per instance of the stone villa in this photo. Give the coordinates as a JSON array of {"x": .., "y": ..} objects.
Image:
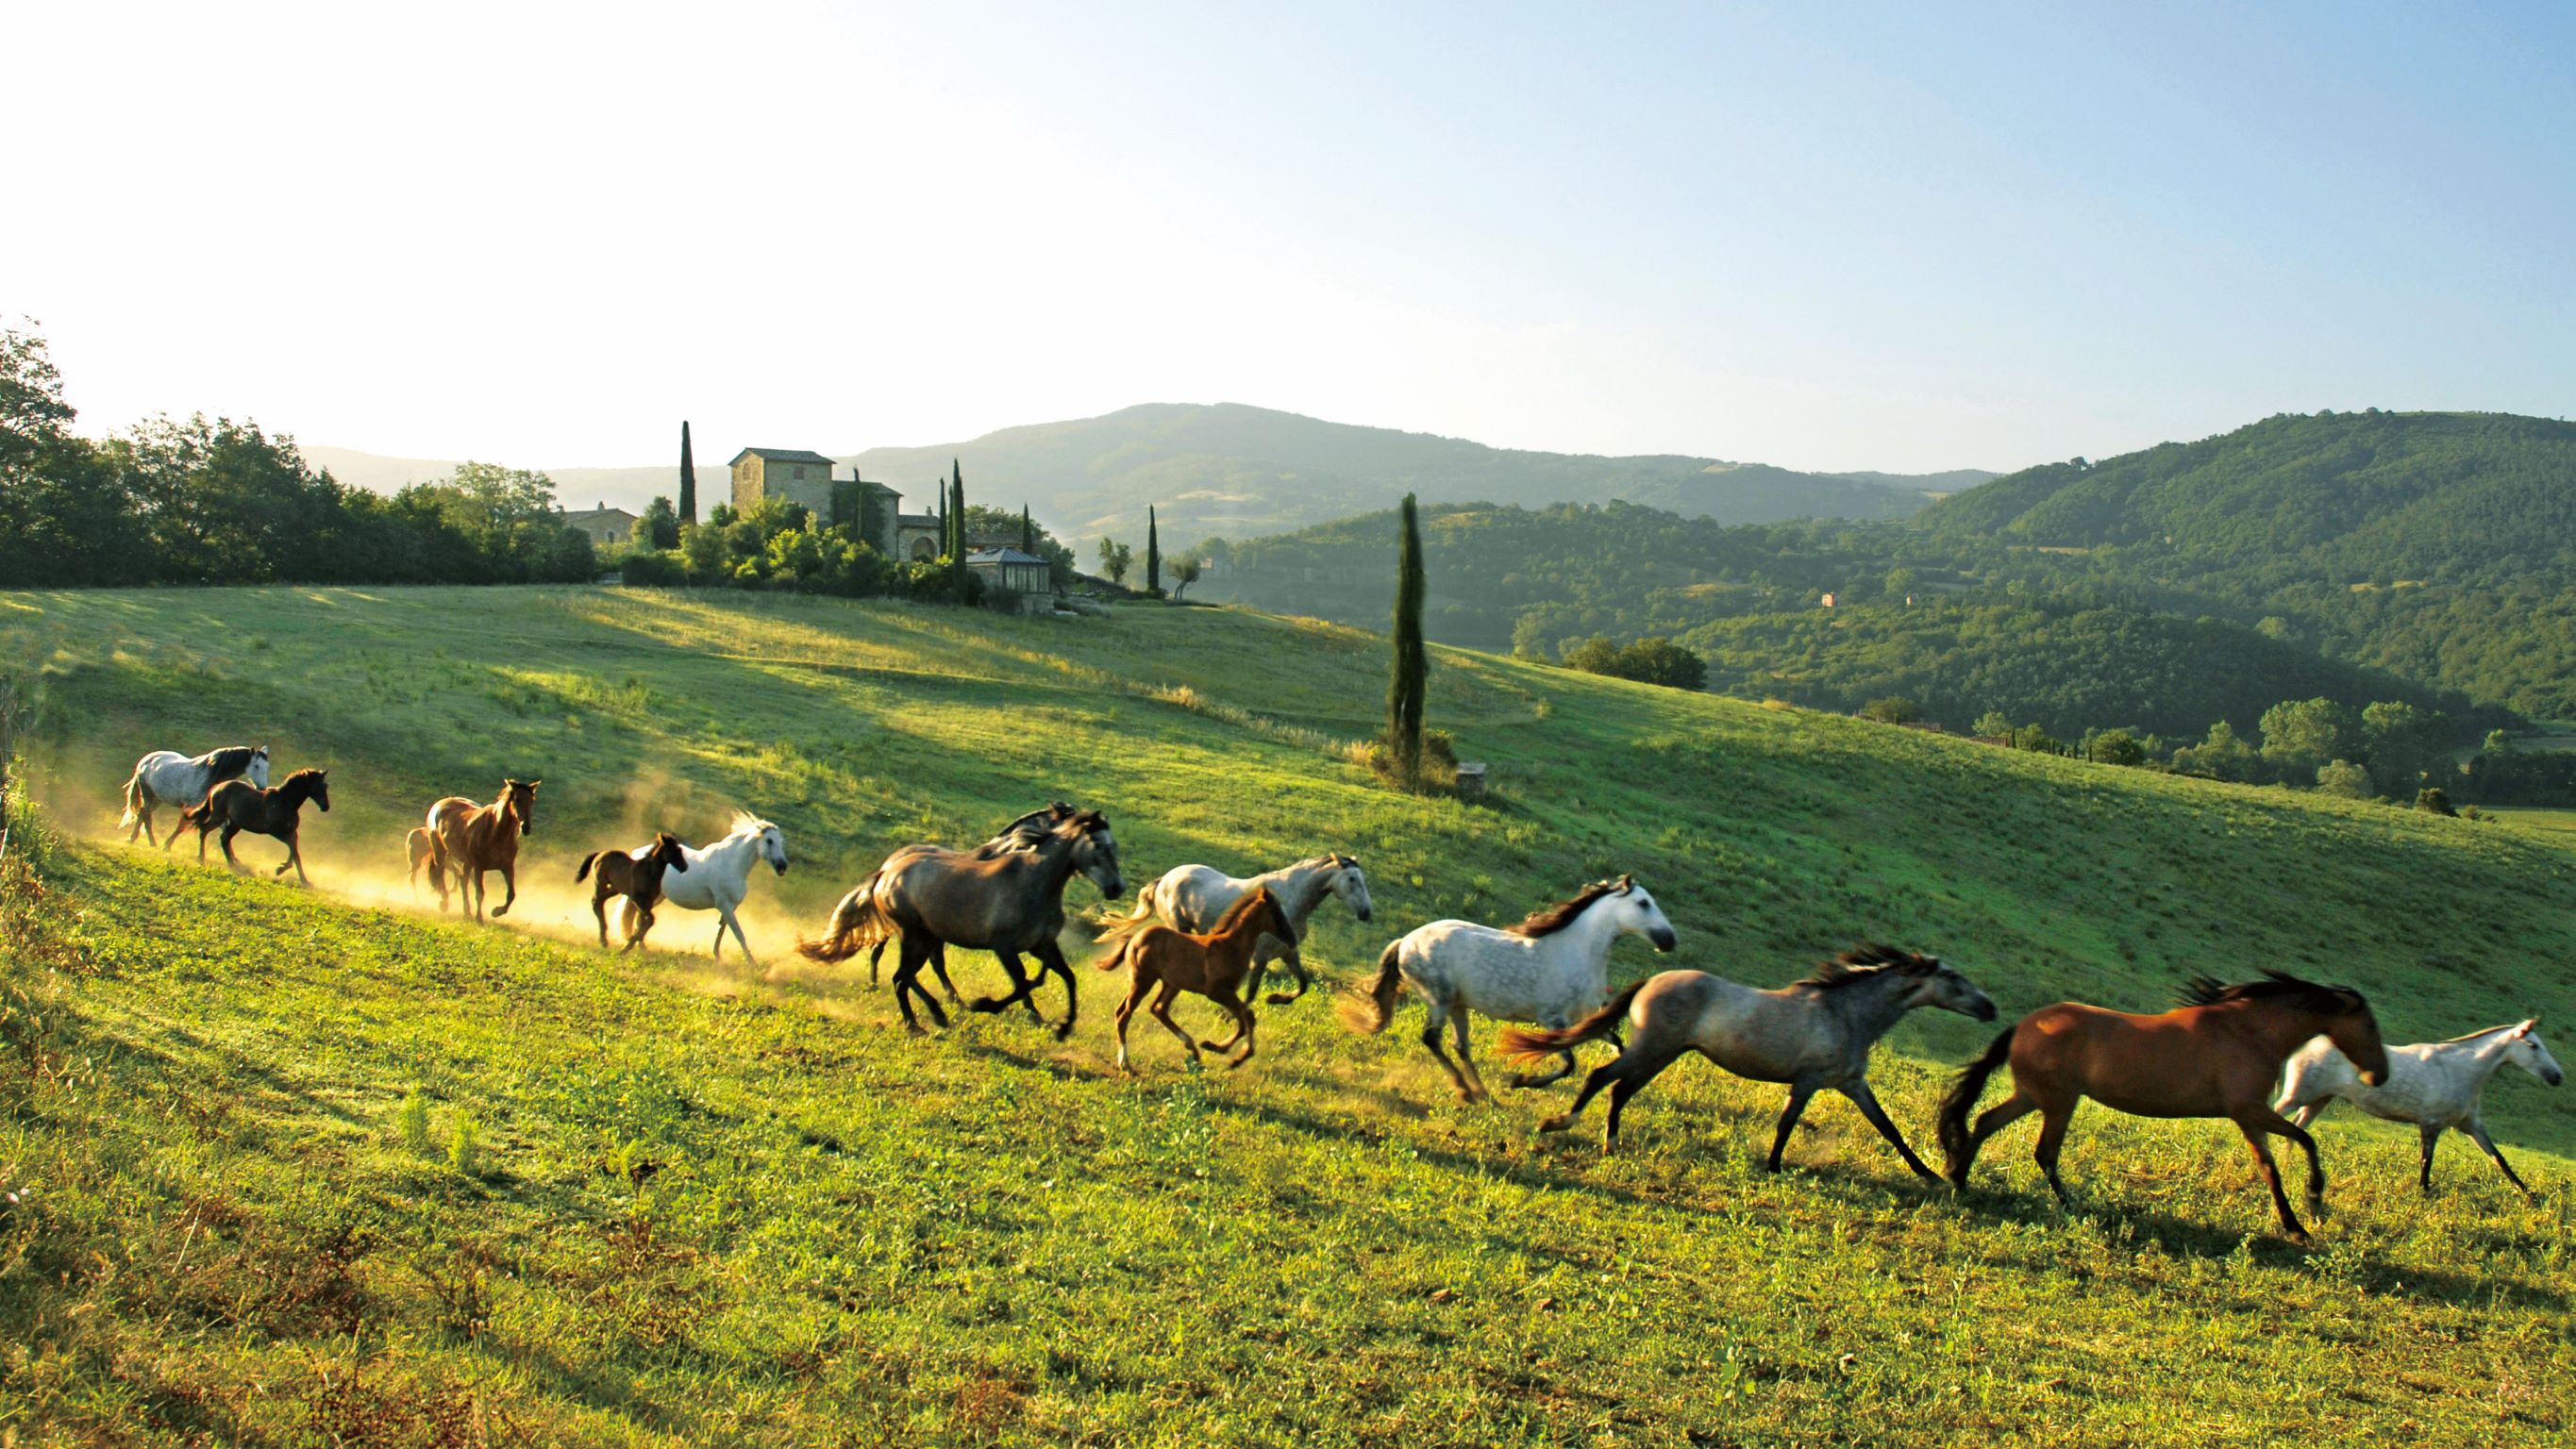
[
  {"x": 606, "y": 526},
  {"x": 800, "y": 476}
]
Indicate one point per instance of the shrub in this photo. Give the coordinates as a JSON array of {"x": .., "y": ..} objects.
[
  {"x": 1993, "y": 725},
  {"x": 1892, "y": 709},
  {"x": 654, "y": 568},
  {"x": 2343, "y": 777},
  {"x": 2434, "y": 800}
]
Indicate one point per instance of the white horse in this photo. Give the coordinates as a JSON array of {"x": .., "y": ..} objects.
[
  {"x": 1195, "y": 897},
  {"x": 1551, "y": 969},
  {"x": 716, "y": 879},
  {"x": 166, "y": 777},
  {"x": 2431, "y": 1084}
]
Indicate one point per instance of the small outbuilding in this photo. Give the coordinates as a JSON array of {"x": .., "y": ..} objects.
[{"x": 1025, "y": 574}]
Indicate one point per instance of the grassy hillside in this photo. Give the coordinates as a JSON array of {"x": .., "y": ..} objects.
[
  {"x": 1235, "y": 471},
  {"x": 711, "y": 1205}
]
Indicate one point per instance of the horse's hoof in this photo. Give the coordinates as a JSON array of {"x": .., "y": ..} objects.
[
  {"x": 1556, "y": 1124},
  {"x": 985, "y": 1004},
  {"x": 1064, "y": 1031},
  {"x": 1279, "y": 998}
]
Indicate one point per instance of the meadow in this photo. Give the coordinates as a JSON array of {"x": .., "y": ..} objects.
[{"x": 322, "y": 1167}]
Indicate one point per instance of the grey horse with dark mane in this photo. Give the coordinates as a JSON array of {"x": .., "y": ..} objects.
[
  {"x": 1005, "y": 896},
  {"x": 1812, "y": 1034},
  {"x": 166, "y": 777}
]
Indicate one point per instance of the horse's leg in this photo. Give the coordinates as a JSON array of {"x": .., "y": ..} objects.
[
  {"x": 1162, "y": 1009},
  {"x": 2429, "y": 1133},
  {"x": 1242, "y": 1031},
  {"x": 1989, "y": 1122},
  {"x": 1466, "y": 1058},
  {"x": 1564, "y": 1065},
  {"x": 2476, "y": 1127},
  {"x": 1602, "y": 1076},
  {"x": 1439, "y": 1018},
  {"x": 2052, "y": 1135},
  {"x": 1799, "y": 1091},
  {"x": 908, "y": 959},
  {"x": 1232, "y": 1008},
  {"x": 726, "y": 917},
  {"x": 599, "y": 910},
  {"x": 1051, "y": 961},
  {"x": 1127, "y": 1010},
  {"x": 1261, "y": 973},
  {"x": 643, "y": 928},
  {"x": 295, "y": 858},
  {"x": 509, "y": 887},
  {"x": 230, "y": 859},
  {"x": 1867, "y": 1101},
  {"x": 2262, "y": 1118},
  {"x": 2272, "y": 1178}
]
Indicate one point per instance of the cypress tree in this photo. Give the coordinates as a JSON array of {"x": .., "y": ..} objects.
[
  {"x": 1153, "y": 554},
  {"x": 957, "y": 523},
  {"x": 1405, "y": 677},
  {"x": 688, "y": 478},
  {"x": 1028, "y": 532}
]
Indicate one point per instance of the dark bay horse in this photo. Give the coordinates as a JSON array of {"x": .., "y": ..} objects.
[
  {"x": 1214, "y": 963},
  {"x": 466, "y": 840},
  {"x": 637, "y": 876},
  {"x": 1811, "y": 1035},
  {"x": 2216, "y": 1056},
  {"x": 1006, "y": 896},
  {"x": 238, "y": 805}
]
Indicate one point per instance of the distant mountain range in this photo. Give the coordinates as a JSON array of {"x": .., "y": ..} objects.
[{"x": 1237, "y": 471}]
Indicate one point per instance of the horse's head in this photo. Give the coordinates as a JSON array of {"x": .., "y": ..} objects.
[
  {"x": 1636, "y": 913},
  {"x": 319, "y": 792},
  {"x": 520, "y": 796},
  {"x": 1095, "y": 852},
  {"x": 668, "y": 850},
  {"x": 1351, "y": 885},
  {"x": 2355, "y": 1032},
  {"x": 773, "y": 847},
  {"x": 2527, "y": 1051},
  {"x": 258, "y": 768},
  {"x": 1943, "y": 987}
]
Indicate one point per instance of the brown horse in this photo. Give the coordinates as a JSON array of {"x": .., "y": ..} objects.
[
  {"x": 1214, "y": 965},
  {"x": 636, "y": 876},
  {"x": 2217, "y": 1056},
  {"x": 238, "y": 805},
  {"x": 466, "y": 840},
  {"x": 1006, "y": 897}
]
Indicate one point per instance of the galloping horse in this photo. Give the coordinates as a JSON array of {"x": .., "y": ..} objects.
[
  {"x": 635, "y": 877},
  {"x": 166, "y": 777},
  {"x": 1006, "y": 897},
  {"x": 239, "y": 805},
  {"x": 1552, "y": 968},
  {"x": 1812, "y": 1034},
  {"x": 466, "y": 840},
  {"x": 1213, "y": 963},
  {"x": 2216, "y": 1056},
  {"x": 2431, "y": 1084},
  {"x": 1194, "y": 897},
  {"x": 718, "y": 878}
]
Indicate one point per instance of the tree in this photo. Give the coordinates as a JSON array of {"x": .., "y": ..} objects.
[
  {"x": 1892, "y": 709},
  {"x": 1596, "y": 655},
  {"x": 1408, "y": 670},
  {"x": 2342, "y": 777},
  {"x": 1185, "y": 572},
  {"x": 1992, "y": 725},
  {"x": 688, "y": 481},
  {"x": 1028, "y": 532},
  {"x": 2114, "y": 747},
  {"x": 957, "y": 526},
  {"x": 1115, "y": 559},
  {"x": 65, "y": 516},
  {"x": 1153, "y": 554},
  {"x": 660, "y": 525},
  {"x": 2434, "y": 800},
  {"x": 2302, "y": 736},
  {"x": 2405, "y": 745}
]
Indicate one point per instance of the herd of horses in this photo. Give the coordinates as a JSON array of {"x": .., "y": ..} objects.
[{"x": 2221, "y": 1053}]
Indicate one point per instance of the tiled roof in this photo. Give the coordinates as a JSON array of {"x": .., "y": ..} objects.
[
  {"x": 781, "y": 455},
  {"x": 1003, "y": 556}
]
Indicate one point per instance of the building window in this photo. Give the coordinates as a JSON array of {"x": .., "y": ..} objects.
[{"x": 800, "y": 472}]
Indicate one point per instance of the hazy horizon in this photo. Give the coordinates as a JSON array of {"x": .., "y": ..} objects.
[{"x": 1875, "y": 238}]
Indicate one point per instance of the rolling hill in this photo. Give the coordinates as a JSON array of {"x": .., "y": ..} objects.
[{"x": 289, "y": 1166}]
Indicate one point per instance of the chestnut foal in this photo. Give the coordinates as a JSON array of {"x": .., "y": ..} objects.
[{"x": 1214, "y": 965}]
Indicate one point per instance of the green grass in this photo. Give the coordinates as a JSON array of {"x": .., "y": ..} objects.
[{"x": 709, "y": 1206}]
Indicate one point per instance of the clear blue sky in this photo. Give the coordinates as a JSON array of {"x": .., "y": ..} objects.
[{"x": 1825, "y": 235}]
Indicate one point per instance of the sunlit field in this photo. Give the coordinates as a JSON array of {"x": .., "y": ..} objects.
[{"x": 314, "y": 1167}]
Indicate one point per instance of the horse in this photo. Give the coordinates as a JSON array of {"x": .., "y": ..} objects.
[
  {"x": 636, "y": 878},
  {"x": 1552, "y": 969},
  {"x": 1006, "y": 897},
  {"x": 238, "y": 805},
  {"x": 1214, "y": 963},
  {"x": 2431, "y": 1084},
  {"x": 466, "y": 840},
  {"x": 718, "y": 879},
  {"x": 1193, "y": 897},
  {"x": 166, "y": 777},
  {"x": 2215, "y": 1056},
  {"x": 1811, "y": 1034}
]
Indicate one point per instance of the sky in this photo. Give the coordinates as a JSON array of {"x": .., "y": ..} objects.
[{"x": 1827, "y": 235}]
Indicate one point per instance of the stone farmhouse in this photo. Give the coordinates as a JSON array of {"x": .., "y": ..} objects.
[
  {"x": 801, "y": 476},
  {"x": 606, "y": 526}
]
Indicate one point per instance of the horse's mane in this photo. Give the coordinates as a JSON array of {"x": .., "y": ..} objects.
[
  {"x": 307, "y": 773},
  {"x": 1863, "y": 963},
  {"x": 1243, "y": 906},
  {"x": 1555, "y": 918},
  {"x": 2482, "y": 1031},
  {"x": 1034, "y": 829},
  {"x": 2275, "y": 986},
  {"x": 744, "y": 820},
  {"x": 229, "y": 761}
]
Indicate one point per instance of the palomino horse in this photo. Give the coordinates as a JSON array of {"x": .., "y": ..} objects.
[
  {"x": 1812, "y": 1034},
  {"x": 1006, "y": 897},
  {"x": 2216, "y": 1056},
  {"x": 1214, "y": 964},
  {"x": 2432, "y": 1084},
  {"x": 1193, "y": 897},
  {"x": 1552, "y": 969},
  {"x": 166, "y": 777},
  {"x": 239, "y": 805},
  {"x": 466, "y": 840},
  {"x": 635, "y": 877},
  {"x": 719, "y": 877}
]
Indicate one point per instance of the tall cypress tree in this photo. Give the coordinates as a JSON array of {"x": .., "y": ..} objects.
[
  {"x": 957, "y": 516},
  {"x": 1406, "y": 674},
  {"x": 1153, "y": 554},
  {"x": 1028, "y": 532},
  {"x": 688, "y": 478}
]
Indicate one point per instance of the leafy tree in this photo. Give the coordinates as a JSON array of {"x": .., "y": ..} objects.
[
  {"x": 65, "y": 516},
  {"x": 1115, "y": 559},
  {"x": 2222, "y": 756},
  {"x": 2300, "y": 736},
  {"x": 2434, "y": 800},
  {"x": 1185, "y": 572},
  {"x": 1892, "y": 709},
  {"x": 1596, "y": 655},
  {"x": 2342, "y": 777},
  {"x": 660, "y": 525},
  {"x": 1409, "y": 667},
  {"x": 2114, "y": 747},
  {"x": 2405, "y": 745},
  {"x": 2036, "y": 740},
  {"x": 1992, "y": 725}
]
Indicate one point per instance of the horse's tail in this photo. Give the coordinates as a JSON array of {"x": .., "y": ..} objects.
[
  {"x": 1121, "y": 945},
  {"x": 1368, "y": 1012},
  {"x": 1962, "y": 1098},
  {"x": 857, "y": 922},
  {"x": 583, "y": 874},
  {"x": 1520, "y": 1044},
  {"x": 133, "y": 800},
  {"x": 1117, "y": 930}
]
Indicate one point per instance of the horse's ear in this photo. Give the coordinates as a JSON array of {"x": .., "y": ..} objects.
[
  {"x": 2525, "y": 1028},
  {"x": 1627, "y": 883}
]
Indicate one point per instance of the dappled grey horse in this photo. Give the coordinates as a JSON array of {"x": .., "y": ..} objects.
[
  {"x": 1194, "y": 897},
  {"x": 166, "y": 777},
  {"x": 2431, "y": 1084},
  {"x": 1813, "y": 1034}
]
